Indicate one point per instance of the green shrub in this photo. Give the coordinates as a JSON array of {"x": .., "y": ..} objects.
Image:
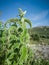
[
  {"x": 35, "y": 37},
  {"x": 13, "y": 48}
]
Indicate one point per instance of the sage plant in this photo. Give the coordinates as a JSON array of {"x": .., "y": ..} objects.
[{"x": 15, "y": 38}]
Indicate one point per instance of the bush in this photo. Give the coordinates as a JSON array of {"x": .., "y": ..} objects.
[
  {"x": 35, "y": 37},
  {"x": 13, "y": 48}
]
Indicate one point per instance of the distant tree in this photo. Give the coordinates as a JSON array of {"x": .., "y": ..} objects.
[{"x": 35, "y": 37}]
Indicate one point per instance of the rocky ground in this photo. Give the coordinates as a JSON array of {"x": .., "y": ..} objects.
[{"x": 41, "y": 51}]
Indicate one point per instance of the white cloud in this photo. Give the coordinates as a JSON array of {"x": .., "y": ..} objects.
[
  {"x": 42, "y": 23},
  {"x": 37, "y": 24},
  {"x": 40, "y": 16},
  {"x": 39, "y": 19}
]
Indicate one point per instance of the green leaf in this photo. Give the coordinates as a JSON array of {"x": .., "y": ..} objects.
[
  {"x": 16, "y": 45},
  {"x": 28, "y": 21},
  {"x": 8, "y": 62},
  {"x": 11, "y": 56},
  {"x": 24, "y": 54},
  {"x": 21, "y": 13}
]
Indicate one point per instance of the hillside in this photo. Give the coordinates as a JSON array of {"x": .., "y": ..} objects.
[{"x": 39, "y": 34}]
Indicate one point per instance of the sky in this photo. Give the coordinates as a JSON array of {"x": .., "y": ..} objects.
[{"x": 37, "y": 10}]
